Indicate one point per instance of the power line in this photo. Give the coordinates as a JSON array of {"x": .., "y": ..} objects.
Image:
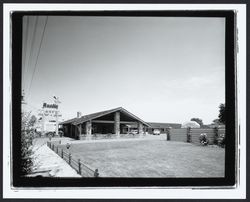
[
  {"x": 44, "y": 28},
  {"x": 32, "y": 43},
  {"x": 25, "y": 46}
]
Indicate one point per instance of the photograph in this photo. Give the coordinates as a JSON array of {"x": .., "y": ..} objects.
[
  {"x": 124, "y": 101},
  {"x": 108, "y": 101},
  {"x": 123, "y": 96}
]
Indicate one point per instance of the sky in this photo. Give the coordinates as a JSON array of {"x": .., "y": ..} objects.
[{"x": 162, "y": 69}]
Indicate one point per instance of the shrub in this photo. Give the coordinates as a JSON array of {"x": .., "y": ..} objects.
[
  {"x": 203, "y": 139},
  {"x": 27, "y": 135},
  {"x": 26, "y": 151},
  {"x": 221, "y": 140}
]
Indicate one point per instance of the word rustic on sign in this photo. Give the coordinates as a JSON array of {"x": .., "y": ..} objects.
[{"x": 46, "y": 105}]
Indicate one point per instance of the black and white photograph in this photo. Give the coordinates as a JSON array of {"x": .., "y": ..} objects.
[
  {"x": 124, "y": 99},
  {"x": 123, "y": 96}
]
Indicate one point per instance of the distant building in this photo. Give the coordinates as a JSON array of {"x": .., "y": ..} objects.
[
  {"x": 161, "y": 126},
  {"x": 114, "y": 121}
]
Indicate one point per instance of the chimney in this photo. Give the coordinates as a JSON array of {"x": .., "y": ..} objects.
[{"x": 79, "y": 114}]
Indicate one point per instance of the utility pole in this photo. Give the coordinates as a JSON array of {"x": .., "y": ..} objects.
[
  {"x": 43, "y": 122},
  {"x": 22, "y": 98},
  {"x": 23, "y": 103},
  {"x": 57, "y": 102}
]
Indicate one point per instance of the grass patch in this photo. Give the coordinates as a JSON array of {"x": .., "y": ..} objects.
[{"x": 151, "y": 158}]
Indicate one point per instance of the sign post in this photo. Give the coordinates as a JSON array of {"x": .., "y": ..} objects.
[{"x": 56, "y": 100}]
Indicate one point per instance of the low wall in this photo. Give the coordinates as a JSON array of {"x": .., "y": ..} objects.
[{"x": 107, "y": 136}]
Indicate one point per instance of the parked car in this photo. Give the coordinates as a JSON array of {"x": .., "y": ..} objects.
[
  {"x": 156, "y": 132},
  {"x": 133, "y": 132}
]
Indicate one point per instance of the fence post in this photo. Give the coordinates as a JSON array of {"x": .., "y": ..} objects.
[
  {"x": 96, "y": 174},
  {"x": 57, "y": 149},
  {"x": 79, "y": 166},
  {"x": 168, "y": 133},
  {"x": 189, "y": 138},
  {"x": 62, "y": 154},
  {"x": 53, "y": 146},
  {"x": 69, "y": 158}
]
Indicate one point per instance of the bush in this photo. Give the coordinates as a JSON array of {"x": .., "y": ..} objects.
[
  {"x": 203, "y": 139},
  {"x": 26, "y": 151},
  {"x": 27, "y": 135}
]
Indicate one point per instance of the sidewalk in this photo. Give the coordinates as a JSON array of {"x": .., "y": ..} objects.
[{"x": 48, "y": 163}]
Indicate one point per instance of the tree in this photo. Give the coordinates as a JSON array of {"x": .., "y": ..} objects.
[
  {"x": 216, "y": 121},
  {"x": 222, "y": 115},
  {"x": 32, "y": 121},
  {"x": 27, "y": 135},
  {"x": 198, "y": 120}
]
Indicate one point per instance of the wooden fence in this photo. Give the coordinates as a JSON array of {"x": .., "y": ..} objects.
[
  {"x": 179, "y": 134},
  {"x": 193, "y": 134},
  {"x": 80, "y": 168},
  {"x": 196, "y": 132}
]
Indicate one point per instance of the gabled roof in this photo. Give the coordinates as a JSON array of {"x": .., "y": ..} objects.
[
  {"x": 164, "y": 125},
  {"x": 68, "y": 121},
  {"x": 88, "y": 117}
]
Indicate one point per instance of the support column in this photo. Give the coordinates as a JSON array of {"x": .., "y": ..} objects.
[
  {"x": 76, "y": 131},
  {"x": 71, "y": 131},
  {"x": 117, "y": 124},
  {"x": 168, "y": 133},
  {"x": 140, "y": 129},
  {"x": 80, "y": 129},
  {"x": 88, "y": 130}
]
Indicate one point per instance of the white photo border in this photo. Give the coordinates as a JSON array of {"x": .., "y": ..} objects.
[{"x": 127, "y": 193}]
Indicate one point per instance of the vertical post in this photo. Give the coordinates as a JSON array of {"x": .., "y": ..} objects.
[
  {"x": 56, "y": 122},
  {"x": 79, "y": 166},
  {"x": 57, "y": 149},
  {"x": 189, "y": 138},
  {"x": 117, "y": 124},
  {"x": 71, "y": 130},
  {"x": 216, "y": 135},
  {"x": 140, "y": 129},
  {"x": 43, "y": 122},
  {"x": 76, "y": 131},
  {"x": 168, "y": 133},
  {"x": 96, "y": 174},
  {"x": 69, "y": 158},
  {"x": 80, "y": 129},
  {"x": 88, "y": 130},
  {"x": 57, "y": 102},
  {"x": 62, "y": 154}
]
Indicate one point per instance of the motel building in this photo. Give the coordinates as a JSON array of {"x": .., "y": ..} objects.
[{"x": 114, "y": 122}]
